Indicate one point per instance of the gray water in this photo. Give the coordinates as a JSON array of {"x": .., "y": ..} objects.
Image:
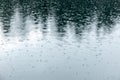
[{"x": 59, "y": 40}]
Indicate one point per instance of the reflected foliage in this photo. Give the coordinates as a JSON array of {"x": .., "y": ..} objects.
[{"x": 81, "y": 13}]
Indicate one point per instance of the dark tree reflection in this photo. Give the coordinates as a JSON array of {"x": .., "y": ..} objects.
[
  {"x": 7, "y": 10},
  {"x": 81, "y": 13},
  {"x": 107, "y": 13}
]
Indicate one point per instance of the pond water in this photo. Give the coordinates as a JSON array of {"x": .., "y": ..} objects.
[{"x": 59, "y": 39}]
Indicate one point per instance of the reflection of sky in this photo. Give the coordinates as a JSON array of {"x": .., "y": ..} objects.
[{"x": 94, "y": 58}]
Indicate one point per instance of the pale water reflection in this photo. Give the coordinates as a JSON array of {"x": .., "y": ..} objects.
[{"x": 59, "y": 40}]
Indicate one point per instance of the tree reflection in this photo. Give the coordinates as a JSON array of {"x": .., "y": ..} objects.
[
  {"x": 7, "y": 11},
  {"x": 80, "y": 12},
  {"x": 107, "y": 13}
]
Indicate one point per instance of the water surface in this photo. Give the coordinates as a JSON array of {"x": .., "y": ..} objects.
[{"x": 59, "y": 39}]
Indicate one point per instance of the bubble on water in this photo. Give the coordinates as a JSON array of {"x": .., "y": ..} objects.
[
  {"x": 32, "y": 66},
  {"x": 40, "y": 55},
  {"x": 76, "y": 73},
  {"x": 84, "y": 59},
  {"x": 83, "y": 65},
  {"x": 10, "y": 76},
  {"x": 27, "y": 50},
  {"x": 68, "y": 57},
  {"x": 40, "y": 60},
  {"x": 64, "y": 53},
  {"x": 69, "y": 67},
  {"x": 31, "y": 55},
  {"x": 95, "y": 64}
]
